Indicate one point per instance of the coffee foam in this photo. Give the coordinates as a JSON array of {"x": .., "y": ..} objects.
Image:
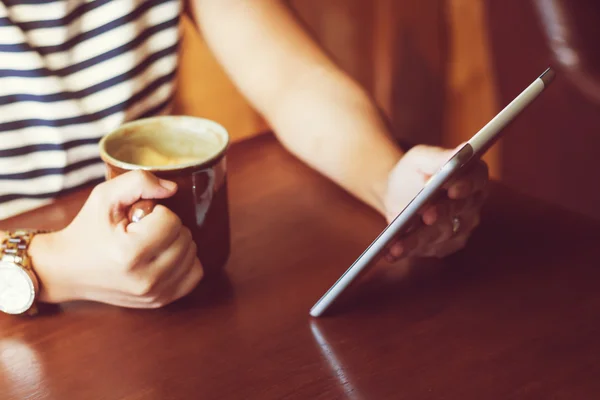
[
  {"x": 164, "y": 143},
  {"x": 148, "y": 156}
]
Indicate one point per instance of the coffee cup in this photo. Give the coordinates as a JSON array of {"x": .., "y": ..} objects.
[{"x": 191, "y": 152}]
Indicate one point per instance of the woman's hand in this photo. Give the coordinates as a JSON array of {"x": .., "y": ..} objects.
[
  {"x": 447, "y": 224},
  {"x": 103, "y": 257}
]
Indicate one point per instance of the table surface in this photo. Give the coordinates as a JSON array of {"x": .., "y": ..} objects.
[{"x": 514, "y": 316}]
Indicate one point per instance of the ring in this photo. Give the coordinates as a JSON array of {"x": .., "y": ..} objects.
[{"x": 455, "y": 225}]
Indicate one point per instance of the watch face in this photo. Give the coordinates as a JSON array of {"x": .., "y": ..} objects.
[{"x": 16, "y": 289}]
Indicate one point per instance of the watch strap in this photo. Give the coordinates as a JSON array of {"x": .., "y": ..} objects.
[{"x": 14, "y": 248}]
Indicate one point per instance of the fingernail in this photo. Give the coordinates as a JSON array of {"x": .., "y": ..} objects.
[
  {"x": 170, "y": 186},
  {"x": 137, "y": 215},
  {"x": 431, "y": 216},
  {"x": 397, "y": 250}
]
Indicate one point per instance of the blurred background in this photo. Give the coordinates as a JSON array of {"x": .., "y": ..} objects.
[{"x": 441, "y": 69}]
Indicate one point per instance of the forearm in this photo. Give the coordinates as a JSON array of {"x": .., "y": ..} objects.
[
  {"x": 317, "y": 111},
  {"x": 329, "y": 122}
]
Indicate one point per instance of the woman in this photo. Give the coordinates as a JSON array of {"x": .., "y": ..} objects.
[{"x": 71, "y": 71}]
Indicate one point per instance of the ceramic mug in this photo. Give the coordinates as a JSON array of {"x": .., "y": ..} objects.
[{"x": 191, "y": 152}]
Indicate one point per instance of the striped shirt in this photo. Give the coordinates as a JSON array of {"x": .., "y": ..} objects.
[{"x": 70, "y": 72}]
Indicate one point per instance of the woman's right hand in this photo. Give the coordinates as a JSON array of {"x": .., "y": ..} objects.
[{"x": 101, "y": 256}]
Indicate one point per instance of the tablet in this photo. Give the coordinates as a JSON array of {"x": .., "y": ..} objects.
[{"x": 468, "y": 153}]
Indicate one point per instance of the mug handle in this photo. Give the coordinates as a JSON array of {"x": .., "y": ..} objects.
[{"x": 140, "y": 209}]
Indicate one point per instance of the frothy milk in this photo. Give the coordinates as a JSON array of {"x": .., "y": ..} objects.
[{"x": 157, "y": 145}]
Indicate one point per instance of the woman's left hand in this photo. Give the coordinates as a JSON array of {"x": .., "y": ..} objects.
[{"x": 446, "y": 224}]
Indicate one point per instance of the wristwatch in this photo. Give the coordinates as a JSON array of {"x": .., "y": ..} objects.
[{"x": 19, "y": 285}]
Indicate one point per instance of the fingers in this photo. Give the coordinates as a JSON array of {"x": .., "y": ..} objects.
[
  {"x": 473, "y": 181},
  {"x": 177, "y": 273},
  {"x": 431, "y": 214},
  {"x": 463, "y": 200},
  {"x": 468, "y": 191},
  {"x": 155, "y": 232},
  {"x": 461, "y": 189},
  {"x": 170, "y": 259},
  {"x": 428, "y": 159},
  {"x": 406, "y": 246},
  {"x": 451, "y": 246},
  {"x": 450, "y": 242},
  {"x": 396, "y": 251},
  {"x": 438, "y": 239},
  {"x": 185, "y": 287},
  {"x": 115, "y": 196},
  {"x": 126, "y": 189},
  {"x": 433, "y": 218},
  {"x": 190, "y": 282},
  {"x": 444, "y": 230},
  {"x": 173, "y": 282},
  {"x": 437, "y": 212}
]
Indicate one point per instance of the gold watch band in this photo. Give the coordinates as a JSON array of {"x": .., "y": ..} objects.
[{"x": 14, "y": 249}]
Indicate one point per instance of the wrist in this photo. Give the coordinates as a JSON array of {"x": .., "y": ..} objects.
[
  {"x": 388, "y": 157},
  {"x": 380, "y": 185},
  {"x": 379, "y": 189},
  {"x": 45, "y": 254}
]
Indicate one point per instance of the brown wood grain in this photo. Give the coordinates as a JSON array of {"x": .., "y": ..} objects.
[{"x": 515, "y": 316}]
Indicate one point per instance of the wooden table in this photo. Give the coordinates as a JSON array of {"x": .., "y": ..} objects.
[{"x": 515, "y": 316}]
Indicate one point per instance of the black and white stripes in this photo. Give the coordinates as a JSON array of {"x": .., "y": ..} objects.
[{"x": 70, "y": 71}]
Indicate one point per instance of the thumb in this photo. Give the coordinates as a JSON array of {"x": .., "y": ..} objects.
[
  {"x": 429, "y": 159},
  {"x": 126, "y": 189}
]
